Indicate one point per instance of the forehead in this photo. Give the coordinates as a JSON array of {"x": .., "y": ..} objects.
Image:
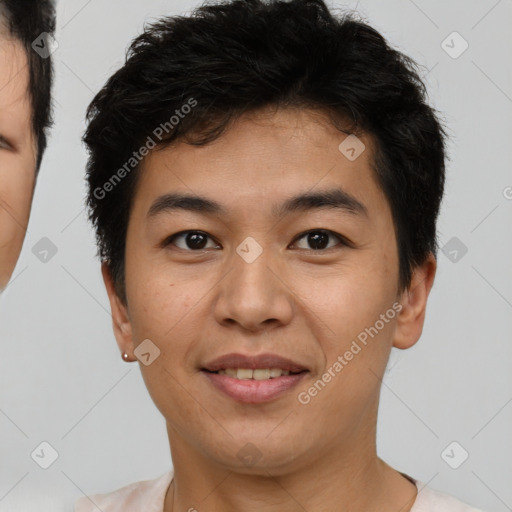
[
  {"x": 261, "y": 147},
  {"x": 259, "y": 162},
  {"x": 14, "y": 80}
]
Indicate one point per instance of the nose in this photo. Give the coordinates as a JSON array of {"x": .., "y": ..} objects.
[{"x": 254, "y": 294}]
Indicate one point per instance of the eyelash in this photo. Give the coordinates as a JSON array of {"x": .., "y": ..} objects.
[{"x": 343, "y": 241}]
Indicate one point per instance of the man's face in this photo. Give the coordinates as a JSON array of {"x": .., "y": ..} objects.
[
  {"x": 17, "y": 154},
  {"x": 198, "y": 298}
]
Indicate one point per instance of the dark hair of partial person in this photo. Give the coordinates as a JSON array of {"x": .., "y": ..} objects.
[
  {"x": 244, "y": 55},
  {"x": 26, "y": 20}
]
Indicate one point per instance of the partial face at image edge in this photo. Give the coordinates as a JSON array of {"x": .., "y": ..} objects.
[{"x": 18, "y": 151}]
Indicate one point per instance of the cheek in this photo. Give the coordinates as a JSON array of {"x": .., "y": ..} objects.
[
  {"x": 156, "y": 309},
  {"x": 159, "y": 312},
  {"x": 16, "y": 186},
  {"x": 164, "y": 307},
  {"x": 355, "y": 358},
  {"x": 349, "y": 298},
  {"x": 345, "y": 311},
  {"x": 360, "y": 325},
  {"x": 164, "y": 313}
]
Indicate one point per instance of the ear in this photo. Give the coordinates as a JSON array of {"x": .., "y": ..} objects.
[
  {"x": 409, "y": 324},
  {"x": 120, "y": 317}
]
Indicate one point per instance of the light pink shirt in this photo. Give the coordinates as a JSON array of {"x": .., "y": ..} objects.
[{"x": 149, "y": 495}]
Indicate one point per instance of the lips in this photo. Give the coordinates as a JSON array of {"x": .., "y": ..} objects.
[
  {"x": 254, "y": 391},
  {"x": 251, "y": 390},
  {"x": 267, "y": 360}
]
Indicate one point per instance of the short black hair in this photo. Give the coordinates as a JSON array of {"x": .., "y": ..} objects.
[
  {"x": 238, "y": 56},
  {"x": 26, "y": 20}
]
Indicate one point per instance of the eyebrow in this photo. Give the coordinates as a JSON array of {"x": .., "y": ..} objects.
[{"x": 335, "y": 198}]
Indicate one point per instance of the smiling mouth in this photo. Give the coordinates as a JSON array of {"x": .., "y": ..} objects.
[{"x": 256, "y": 374}]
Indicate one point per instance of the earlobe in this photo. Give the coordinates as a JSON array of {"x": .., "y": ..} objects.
[
  {"x": 410, "y": 320},
  {"x": 120, "y": 318}
]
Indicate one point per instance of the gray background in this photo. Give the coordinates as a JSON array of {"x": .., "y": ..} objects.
[{"x": 62, "y": 378}]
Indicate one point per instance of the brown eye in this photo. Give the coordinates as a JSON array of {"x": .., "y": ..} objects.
[
  {"x": 318, "y": 239},
  {"x": 192, "y": 240}
]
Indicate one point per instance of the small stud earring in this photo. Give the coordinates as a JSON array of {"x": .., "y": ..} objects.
[{"x": 125, "y": 356}]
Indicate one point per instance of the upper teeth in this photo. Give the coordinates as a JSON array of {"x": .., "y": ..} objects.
[{"x": 258, "y": 374}]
